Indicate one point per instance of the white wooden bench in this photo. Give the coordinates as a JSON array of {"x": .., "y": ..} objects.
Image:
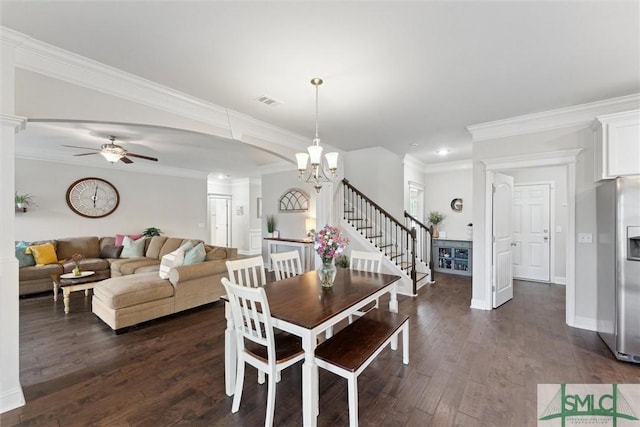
[{"x": 353, "y": 348}]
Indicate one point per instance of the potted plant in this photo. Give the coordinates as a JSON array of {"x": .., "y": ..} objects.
[
  {"x": 435, "y": 218},
  {"x": 24, "y": 200},
  {"x": 271, "y": 224},
  {"x": 152, "y": 231}
]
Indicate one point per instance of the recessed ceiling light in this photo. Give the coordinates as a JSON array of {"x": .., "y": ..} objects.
[
  {"x": 442, "y": 152},
  {"x": 414, "y": 145},
  {"x": 221, "y": 176}
]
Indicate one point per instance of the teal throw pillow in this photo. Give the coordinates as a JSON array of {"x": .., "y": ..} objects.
[
  {"x": 132, "y": 248},
  {"x": 24, "y": 260},
  {"x": 194, "y": 255}
]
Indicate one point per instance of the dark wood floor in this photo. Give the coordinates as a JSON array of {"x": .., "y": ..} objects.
[{"x": 467, "y": 367}]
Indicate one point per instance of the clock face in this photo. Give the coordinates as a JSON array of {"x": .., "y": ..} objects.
[{"x": 92, "y": 197}]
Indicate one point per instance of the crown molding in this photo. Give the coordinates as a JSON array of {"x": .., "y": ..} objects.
[
  {"x": 548, "y": 158},
  {"x": 413, "y": 162},
  {"x": 449, "y": 166},
  {"x": 37, "y": 56},
  {"x": 18, "y": 123},
  {"x": 577, "y": 116}
]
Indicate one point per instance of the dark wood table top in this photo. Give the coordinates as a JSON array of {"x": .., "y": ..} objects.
[
  {"x": 303, "y": 301},
  {"x": 286, "y": 239}
]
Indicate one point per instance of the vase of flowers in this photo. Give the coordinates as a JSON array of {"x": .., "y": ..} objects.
[
  {"x": 329, "y": 243},
  {"x": 76, "y": 258}
]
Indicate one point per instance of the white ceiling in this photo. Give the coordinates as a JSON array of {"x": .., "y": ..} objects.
[{"x": 396, "y": 73}]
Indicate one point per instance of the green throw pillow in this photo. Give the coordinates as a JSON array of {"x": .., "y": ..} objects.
[
  {"x": 194, "y": 255},
  {"x": 24, "y": 260},
  {"x": 132, "y": 248}
]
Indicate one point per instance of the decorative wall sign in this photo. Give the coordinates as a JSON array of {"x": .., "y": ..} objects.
[{"x": 294, "y": 200}]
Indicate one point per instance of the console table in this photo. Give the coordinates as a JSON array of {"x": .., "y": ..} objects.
[
  {"x": 452, "y": 256},
  {"x": 305, "y": 245}
]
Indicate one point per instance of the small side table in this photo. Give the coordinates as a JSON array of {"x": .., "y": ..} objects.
[{"x": 69, "y": 282}]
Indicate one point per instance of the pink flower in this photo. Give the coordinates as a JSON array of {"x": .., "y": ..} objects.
[{"x": 329, "y": 242}]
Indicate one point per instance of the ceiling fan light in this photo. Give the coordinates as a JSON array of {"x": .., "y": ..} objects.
[{"x": 111, "y": 157}]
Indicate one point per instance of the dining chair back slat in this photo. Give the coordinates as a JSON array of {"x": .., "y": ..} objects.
[
  {"x": 366, "y": 261},
  {"x": 247, "y": 272},
  {"x": 286, "y": 264}
]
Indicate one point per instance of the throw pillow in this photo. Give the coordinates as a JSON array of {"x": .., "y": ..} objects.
[
  {"x": 132, "y": 248},
  {"x": 43, "y": 254},
  {"x": 194, "y": 255},
  {"x": 120, "y": 238},
  {"x": 110, "y": 251},
  {"x": 170, "y": 260},
  {"x": 24, "y": 260}
]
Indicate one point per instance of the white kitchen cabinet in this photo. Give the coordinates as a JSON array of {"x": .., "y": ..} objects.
[{"x": 617, "y": 145}]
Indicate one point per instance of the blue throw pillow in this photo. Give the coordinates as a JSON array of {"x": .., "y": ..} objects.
[
  {"x": 194, "y": 255},
  {"x": 24, "y": 260},
  {"x": 132, "y": 248}
]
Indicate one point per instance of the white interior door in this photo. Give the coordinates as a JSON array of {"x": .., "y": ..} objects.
[
  {"x": 219, "y": 220},
  {"x": 531, "y": 236},
  {"x": 502, "y": 278}
]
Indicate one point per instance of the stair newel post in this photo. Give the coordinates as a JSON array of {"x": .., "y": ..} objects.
[{"x": 413, "y": 260}]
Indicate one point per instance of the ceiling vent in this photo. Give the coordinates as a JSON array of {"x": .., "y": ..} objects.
[{"x": 268, "y": 101}]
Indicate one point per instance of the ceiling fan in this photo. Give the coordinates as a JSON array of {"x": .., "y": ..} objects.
[{"x": 113, "y": 152}]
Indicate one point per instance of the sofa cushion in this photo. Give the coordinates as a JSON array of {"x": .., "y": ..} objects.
[
  {"x": 40, "y": 272},
  {"x": 132, "y": 265},
  {"x": 132, "y": 248},
  {"x": 155, "y": 244},
  {"x": 24, "y": 259},
  {"x": 111, "y": 251},
  {"x": 88, "y": 247},
  {"x": 215, "y": 252},
  {"x": 119, "y": 241},
  {"x": 87, "y": 264},
  {"x": 194, "y": 255},
  {"x": 170, "y": 260},
  {"x": 43, "y": 254},
  {"x": 127, "y": 291}
]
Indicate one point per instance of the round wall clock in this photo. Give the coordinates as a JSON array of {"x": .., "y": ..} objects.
[{"x": 92, "y": 197}]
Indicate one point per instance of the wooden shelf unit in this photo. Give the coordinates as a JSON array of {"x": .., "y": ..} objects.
[{"x": 453, "y": 256}]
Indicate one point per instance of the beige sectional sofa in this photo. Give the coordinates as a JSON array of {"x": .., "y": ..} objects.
[{"x": 132, "y": 290}]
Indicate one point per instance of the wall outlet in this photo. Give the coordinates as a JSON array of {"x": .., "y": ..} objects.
[{"x": 585, "y": 238}]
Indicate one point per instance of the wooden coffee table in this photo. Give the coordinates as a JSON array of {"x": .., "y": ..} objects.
[{"x": 69, "y": 282}]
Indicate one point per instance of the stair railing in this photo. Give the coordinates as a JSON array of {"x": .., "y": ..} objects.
[
  {"x": 424, "y": 245},
  {"x": 389, "y": 235}
]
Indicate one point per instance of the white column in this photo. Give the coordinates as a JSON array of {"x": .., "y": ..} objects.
[{"x": 11, "y": 395}]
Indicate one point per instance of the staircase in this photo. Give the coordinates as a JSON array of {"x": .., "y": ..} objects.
[{"x": 406, "y": 246}]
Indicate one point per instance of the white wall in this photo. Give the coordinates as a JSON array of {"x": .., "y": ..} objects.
[
  {"x": 379, "y": 174},
  {"x": 440, "y": 189},
  {"x": 178, "y": 206},
  {"x": 540, "y": 142},
  {"x": 556, "y": 175}
]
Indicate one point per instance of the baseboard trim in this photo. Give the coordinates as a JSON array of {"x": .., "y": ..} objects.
[
  {"x": 585, "y": 323},
  {"x": 479, "y": 304},
  {"x": 560, "y": 280},
  {"x": 11, "y": 399}
]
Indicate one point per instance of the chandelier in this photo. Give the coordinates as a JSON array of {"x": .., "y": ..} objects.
[{"x": 317, "y": 172}]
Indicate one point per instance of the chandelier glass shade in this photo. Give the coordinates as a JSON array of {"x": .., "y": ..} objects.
[{"x": 314, "y": 168}]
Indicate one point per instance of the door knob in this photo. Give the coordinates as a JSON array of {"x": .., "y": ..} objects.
[
  {"x": 514, "y": 244},
  {"x": 546, "y": 238}
]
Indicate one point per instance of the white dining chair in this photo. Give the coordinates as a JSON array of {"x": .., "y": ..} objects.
[
  {"x": 256, "y": 342},
  {"x": 247, "y": 272},
  {"x": 365, "y": 261},
  {"x": 286, "y": 264}
]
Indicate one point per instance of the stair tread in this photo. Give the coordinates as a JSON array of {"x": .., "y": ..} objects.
[{"x": 364, "y": 228}]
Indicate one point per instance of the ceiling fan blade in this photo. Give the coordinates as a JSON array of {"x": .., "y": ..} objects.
[
  {"x": 140, "y": 156},
  {"x": 125, "y": 159},
  {"x": 82, "y": 148},
  {"x": 85, "y": 154}
]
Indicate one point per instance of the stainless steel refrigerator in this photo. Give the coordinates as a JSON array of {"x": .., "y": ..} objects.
[{"x": 618, "y": 248}]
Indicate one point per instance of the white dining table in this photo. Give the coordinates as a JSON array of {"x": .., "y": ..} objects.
[{"x": 301, "y": 306}]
